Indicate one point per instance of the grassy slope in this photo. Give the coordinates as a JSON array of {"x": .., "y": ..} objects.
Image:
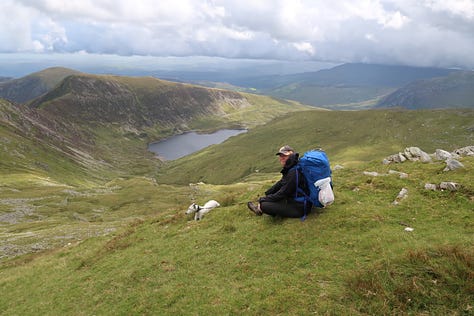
[
  {"x": 348, "y": 137},
  {"x": 27, "y": 151},
  {"x": 352, "y": 258}
]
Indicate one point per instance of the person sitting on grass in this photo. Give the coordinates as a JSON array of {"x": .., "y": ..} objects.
[{"x": 279, "y": 200}]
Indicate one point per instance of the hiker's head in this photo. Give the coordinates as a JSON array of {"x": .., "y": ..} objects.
[{"x": 284, "y": 153}]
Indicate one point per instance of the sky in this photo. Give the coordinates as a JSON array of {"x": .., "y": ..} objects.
[{"x": 436, "y": 33}]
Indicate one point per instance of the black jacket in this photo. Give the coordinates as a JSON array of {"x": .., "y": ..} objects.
[{"x": 285, "y": 188}]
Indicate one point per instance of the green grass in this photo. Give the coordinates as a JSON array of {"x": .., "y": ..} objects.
[
  {"x": 67, "y": 139},
  {"x": 352, "y": 258},
  {"x": 348, "y": 137},
  {"x": 118, "y": 241}
]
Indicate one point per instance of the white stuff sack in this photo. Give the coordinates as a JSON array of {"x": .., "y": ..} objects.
[{"x": 326, "y": 195}]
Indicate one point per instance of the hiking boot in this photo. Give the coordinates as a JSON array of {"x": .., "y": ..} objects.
[{"x": 254, "y": 208}]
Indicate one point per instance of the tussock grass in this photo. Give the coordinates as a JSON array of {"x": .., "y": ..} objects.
[{"x": 436, "y": 280}]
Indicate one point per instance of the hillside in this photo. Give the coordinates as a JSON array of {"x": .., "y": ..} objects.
[
  {"x": 453, "y": 91},
  {"x": 101, "y": 125},
  {"x": 349, "y": 137},
  {"x": 36, "y": 147},
  {"x": 27, "y": 88},
  {"x": 141, "y": 102},
  {"x": 126, "y": 247}
]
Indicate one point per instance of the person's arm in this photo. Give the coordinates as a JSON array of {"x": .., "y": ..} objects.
[
  {"x": 274, "y": 188},
  {"x": 287, "y": 188}
]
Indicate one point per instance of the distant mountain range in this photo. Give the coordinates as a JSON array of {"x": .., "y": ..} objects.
[
  {"x": 353, "y": 75},
  {"x": 348, "y": 86},
  {"x": 357, "y": 86},
  {"x": 455, "y": 90}
]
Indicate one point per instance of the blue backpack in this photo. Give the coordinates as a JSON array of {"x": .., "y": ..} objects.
[{"x": 315, "y": 168}]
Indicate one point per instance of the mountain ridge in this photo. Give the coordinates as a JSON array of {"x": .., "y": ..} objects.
[
  {"x": 26, "y": 88},
  {"x": 358, "y": 74},
  {"x": 103, "y": 121},
  {"x": 346, "y": 86}
]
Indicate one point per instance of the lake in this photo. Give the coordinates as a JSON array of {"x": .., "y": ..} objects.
[{"x": 184, "y": 144}]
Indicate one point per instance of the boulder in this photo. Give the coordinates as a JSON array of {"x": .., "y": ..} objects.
[
  {"x": 403, "y": 194},
  {"x": 416, "y": 154},
  {"x": 453, "y": 164},
  {"x": 465, "y": 151},
  {"x": 397, "y": 158},
  {"x": 410, "y": 153},
  {"x": 443, "y": 155},
  {"x": 450, "y": 186}
]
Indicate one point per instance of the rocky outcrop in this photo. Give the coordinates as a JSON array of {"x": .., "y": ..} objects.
[
  {"x": 416, "y": 154},
  {"x": 411, "y": 154},
  {"x": 465, "y": 151}
]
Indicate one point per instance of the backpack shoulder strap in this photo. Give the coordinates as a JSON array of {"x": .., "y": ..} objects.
[{"x": 301, "y": 191}]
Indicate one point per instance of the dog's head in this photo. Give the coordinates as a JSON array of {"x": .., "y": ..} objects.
[{"x": 193, "y": 208}]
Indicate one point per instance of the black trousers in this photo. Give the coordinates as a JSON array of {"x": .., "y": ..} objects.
[{"x": 285, "y": 208}]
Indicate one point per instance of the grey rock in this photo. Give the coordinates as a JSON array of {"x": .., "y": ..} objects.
[
  {"x": 450, "y": 186},
  {"x": 442, "y": 154},
  {"x": 453, "y": 164},
  {"x": 465, "y": 151},
  {"x": 410, "y": 153},
  {"x": 372, "y": 173},
  {"x": 431, "y": 186},
  {"x": 403, "y": 194}
]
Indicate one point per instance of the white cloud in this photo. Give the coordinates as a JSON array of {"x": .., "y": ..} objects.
[
  {"x": 385, "y": 31},
  {"x": 305, "y": 47},
  {"x": 463, "y": 8}
]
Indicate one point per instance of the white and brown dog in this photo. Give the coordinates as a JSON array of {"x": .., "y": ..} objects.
[{"x": 201, "y": 210}]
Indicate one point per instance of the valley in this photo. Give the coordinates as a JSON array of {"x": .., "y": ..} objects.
[{"x": 92, "y": 223}]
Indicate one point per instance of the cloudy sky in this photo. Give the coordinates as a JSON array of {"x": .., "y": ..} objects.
[{"x": 411, "y": 32}]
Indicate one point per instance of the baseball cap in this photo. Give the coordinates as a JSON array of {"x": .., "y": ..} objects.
[{"x": 285, "y": 150}]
